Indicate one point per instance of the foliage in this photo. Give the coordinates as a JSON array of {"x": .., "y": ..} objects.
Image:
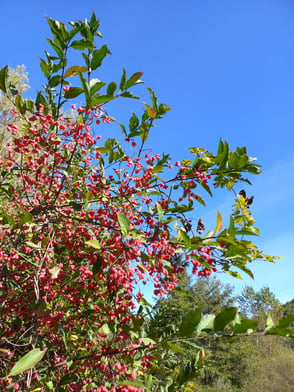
[
  {"x": 259, "y": 304},
  {"x": 233, "y": 362},
  {"x": 88, "y": 218}
]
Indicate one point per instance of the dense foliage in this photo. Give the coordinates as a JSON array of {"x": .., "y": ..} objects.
[{"x": 86, "y": 218}]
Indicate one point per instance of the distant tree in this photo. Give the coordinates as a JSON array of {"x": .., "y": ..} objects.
[
  {"x": 259, "y": 303},
  {"x": 207, "y": 293},
  {"x": 288, "y": 307}
]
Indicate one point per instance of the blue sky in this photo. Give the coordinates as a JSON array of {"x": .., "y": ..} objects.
[{"x": 226, "y": 69}]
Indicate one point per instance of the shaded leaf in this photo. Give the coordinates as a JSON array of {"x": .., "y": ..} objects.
[
  {"x": 245, "y": 326},
  {"x": 190, "y": 322},
  {"x": 3, "y": 78},
  {"x": 224, "y": 318},
  {"x": 286, "y": 321}
]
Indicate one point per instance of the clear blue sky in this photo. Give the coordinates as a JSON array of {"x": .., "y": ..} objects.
[{"x": 227, "y": 70}]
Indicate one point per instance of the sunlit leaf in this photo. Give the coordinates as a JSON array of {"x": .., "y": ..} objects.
[
  {"x": 123, "y": 222},
  {"x": 93, "y": 243},
  {"x": 219, "y": 223},
  {"x": 74, "y": 70},
  {"x": 28, "y": 361}
]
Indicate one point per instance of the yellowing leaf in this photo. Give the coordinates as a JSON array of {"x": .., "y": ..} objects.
[
  {"x": 219, "y": 222},
  {"x": 54, "y": 272}
]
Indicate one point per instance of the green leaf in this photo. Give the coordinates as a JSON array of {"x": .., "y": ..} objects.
[
  {"x": 95, "y": 85},
  {"x": 101, "y": 99},
  {"x": 286, "y": 321},
  {"x": 144, "y": 132},
  {"x": 74, "y": 71},
  {"x": 159, "y": 211},
  {"x": 111, "y": 88},
  {"x": 123, "y": 222},
  {"x": 245, "y": 326},
  {"x": 173, "y": 347},
  {"x": 26, "y": 217},
  {"x": 183, "y": 236},
  {"x": 3, "y": 78},
  {"x": 280, "y": 332},
  {"x": 73, "y": 92},
  {"x": 20, "y": 104},
  {"x": 94, "y": 244},
  {"x": 55, "y": 81},
  {"x": 206, "y": 322},
  {"x": 97, "y": 266},
  {"x": 123, "y": 80},
  {"x": 134, "y": 122},
  {"x": 129, "y": 94},
  {"x": 82, "y": 44},
  {"x": 224, "y": 318},
  {"x": 86, "y": 87},
  {"x": 245, "y": 269},
  {"x": 69, "y": 378},
  {"x": 134, "y": 79},
  {"x": 45, "y": 68},
  {"x": 190, "y": 322},
  {"x": 28, "y": 361},
  {"x": 98, "y": 56}
]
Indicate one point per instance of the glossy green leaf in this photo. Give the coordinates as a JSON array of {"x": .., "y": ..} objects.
[
  {"x": 123, "y": 222},
  {"x": 224, "y": 318},
  {"x": 28, "y": 361},
  {"x": 129, "y": 94},
  {"x": 3, "y": 78},
  {"x": 95, "y": 85},
  {"x": 101, "y": 99},
  {"x": 45, "y": 68},
  {"x": 98, "y": 56},
  {"x": 111, "y": 88},
  {"x": 190, "y": 322},
  {"x": 55, "y": 81},
  {"x": 134, "y": 79},
  {"x": 74, "y": 71},
  {"x": 73, "y": 92},
  {"x": 123, "y": 80},
  {"x": 133, "y": 122},
  {"x": 82, "y": 44}
]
